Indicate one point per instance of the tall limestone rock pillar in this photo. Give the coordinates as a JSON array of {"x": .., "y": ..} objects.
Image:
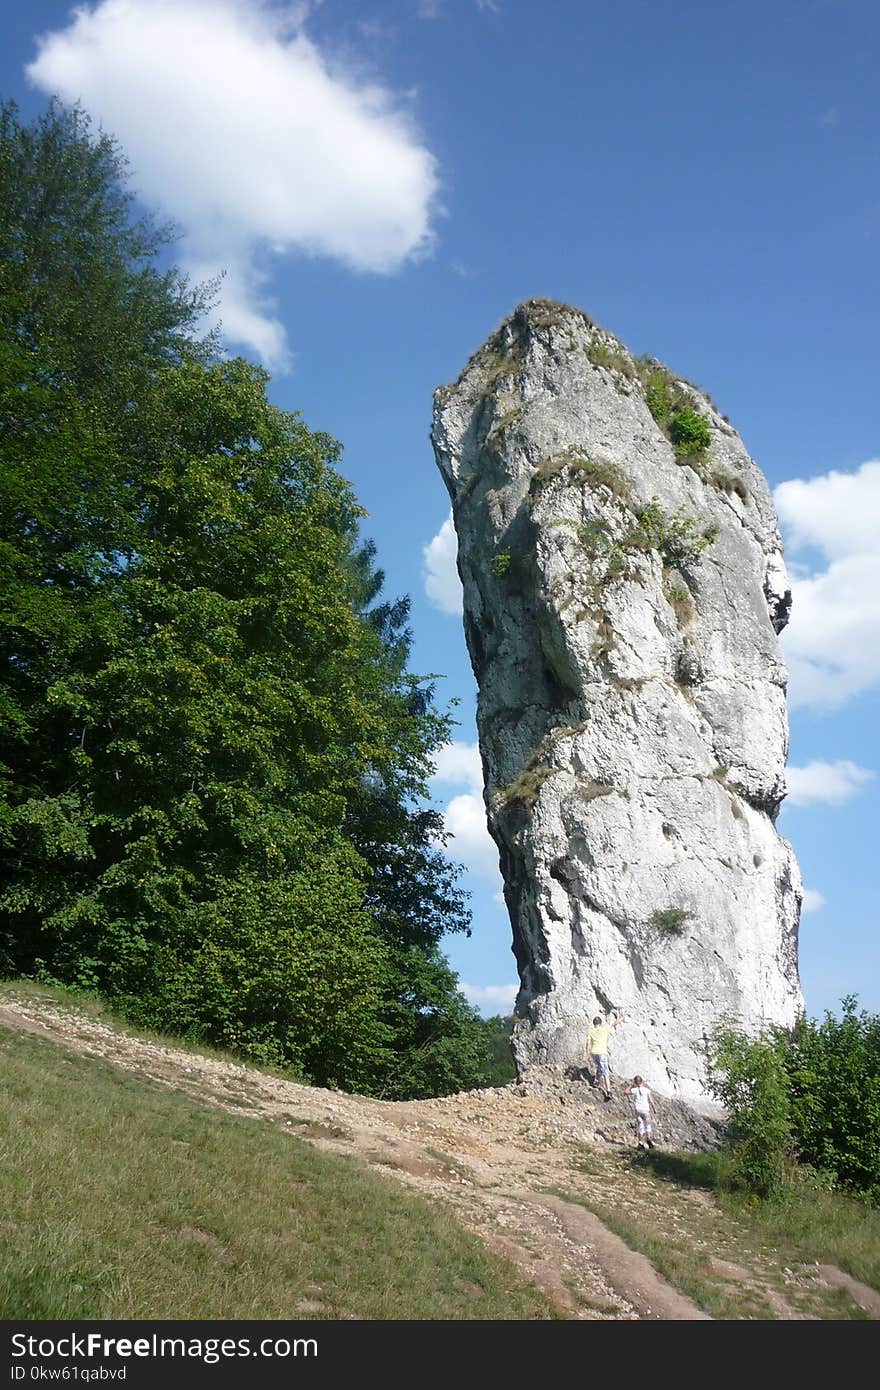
[{"x": 623, "y": 590}]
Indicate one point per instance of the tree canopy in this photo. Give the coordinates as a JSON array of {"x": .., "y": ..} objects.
[{"x": 214, "y": 758}]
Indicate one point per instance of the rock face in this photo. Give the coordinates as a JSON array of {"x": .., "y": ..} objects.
[{"x": 623, "y": 591}]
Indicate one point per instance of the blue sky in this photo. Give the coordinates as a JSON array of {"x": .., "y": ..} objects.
[{"x": 383, "y": 182}]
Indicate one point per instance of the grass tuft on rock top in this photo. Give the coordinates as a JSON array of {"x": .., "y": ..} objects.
[
  {"x": 121, "y": 1199},
  {"x": 615, "y": 359}
]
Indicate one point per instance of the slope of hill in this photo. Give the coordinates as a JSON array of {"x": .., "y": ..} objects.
[{"x": 487, "y": 1204}]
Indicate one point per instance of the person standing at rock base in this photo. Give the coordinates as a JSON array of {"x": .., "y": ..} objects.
[
  {"x": 643, "y": 1103},
  {"x": 597, "y": 1049}
]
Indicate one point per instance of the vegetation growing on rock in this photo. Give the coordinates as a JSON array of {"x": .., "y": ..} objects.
[{"x": 671, "y": 920}]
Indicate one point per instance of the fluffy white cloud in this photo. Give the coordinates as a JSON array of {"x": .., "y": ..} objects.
[
  {"x": 250, "y": 138},
  {"x": 465, "y": 820},
  {"x": 829, "y": 784},
  {"x": 498, "y": 998},
  {"x": 832, "y": 643},
  {"x": 442, "y": 584},
  {"x": 458, "y": 764},
  {"x": 813, "y": 901}
]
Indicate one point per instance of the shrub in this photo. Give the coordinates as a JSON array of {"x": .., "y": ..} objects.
[
  {"x": 527, "y": 786},
  {"x": 814, "y": 1092},
  {"x": 501, "y": 563},
  {"x": 677, "y": 537},
  {"x": 617, "y": 564},
  {"x": 748, "y": 1077},
  {"x": 689, "y": 432},
  {"x": 671, "y": 920},
  {"x": 662, "y": 396},
  {"x": 834, "y": 1078}
]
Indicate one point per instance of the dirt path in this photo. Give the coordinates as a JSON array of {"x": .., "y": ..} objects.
[{"x": 511, "y": 1165}]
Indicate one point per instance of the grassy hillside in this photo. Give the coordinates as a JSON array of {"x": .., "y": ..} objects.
[{"x": 120, "y": 1199}]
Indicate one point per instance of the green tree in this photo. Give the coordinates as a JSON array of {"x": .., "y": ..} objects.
[
  {"x": 498, "y": 1031},
  {"x": 215, "y": 759},
  {"x": 84, "y": 318},
  {"x": 212, "y": 744},
  {"x": 412, "y": 892},
  {"x": 834, "y": 1078},
  {"x": 748, "y": 1077}
]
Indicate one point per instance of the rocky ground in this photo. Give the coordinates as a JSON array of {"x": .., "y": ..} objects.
[{"x": 521, "y": 1166}]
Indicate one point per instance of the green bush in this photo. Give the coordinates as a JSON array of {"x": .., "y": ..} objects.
[
  {"x": 813, "y": 1093},
  {"x": 671, "y": 920},
  {"x": 662, "y": 396},
  {"x": 501, "y": 563},
  {"x": 677, "y": 537},
  {"x": 689, "y": 432},
  {"x": 748, "y": 1076},
  {"x": 834, "y": 1078}
]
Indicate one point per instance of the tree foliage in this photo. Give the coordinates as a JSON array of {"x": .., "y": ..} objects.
[
  {"x": 214, "y": 759},
  {"x": 834, "y": 1078},
  {"x": 811, "y": 1094},
  {"x": 747, "y": 1076}
]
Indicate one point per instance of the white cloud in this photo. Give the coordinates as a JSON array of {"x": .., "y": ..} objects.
[
  {"x": 239, "y": 128},
  {"x": 442, "y": 584},
  {"x": 465, "y": 821},
  {"x": 500, "y": 998},
  {"x": 832, "y": 643},
  {"x": 813, "y": 901},
  {"x": 828, "y": 784},
  {"x": 459, "y": 764}
]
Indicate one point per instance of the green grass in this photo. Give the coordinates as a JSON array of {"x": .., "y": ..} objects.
[
  {"x": 603, "y": 354},
  {"x": 93, "y": 1006},
  {"x": 680, "y": 1263},
  {"x": 591, "y": 472},
  {"x": 684, "y": 1239},
  {"x": 648, "y": 1199},
  {"x": 808, "y": 1223},
  {"x": 120, "y": 1199}
]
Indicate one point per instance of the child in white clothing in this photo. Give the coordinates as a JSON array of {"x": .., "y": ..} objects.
[{"x": 644, "y": 1105}]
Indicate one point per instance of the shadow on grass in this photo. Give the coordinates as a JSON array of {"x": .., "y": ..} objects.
[{"x": 686, "y": 1169}]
